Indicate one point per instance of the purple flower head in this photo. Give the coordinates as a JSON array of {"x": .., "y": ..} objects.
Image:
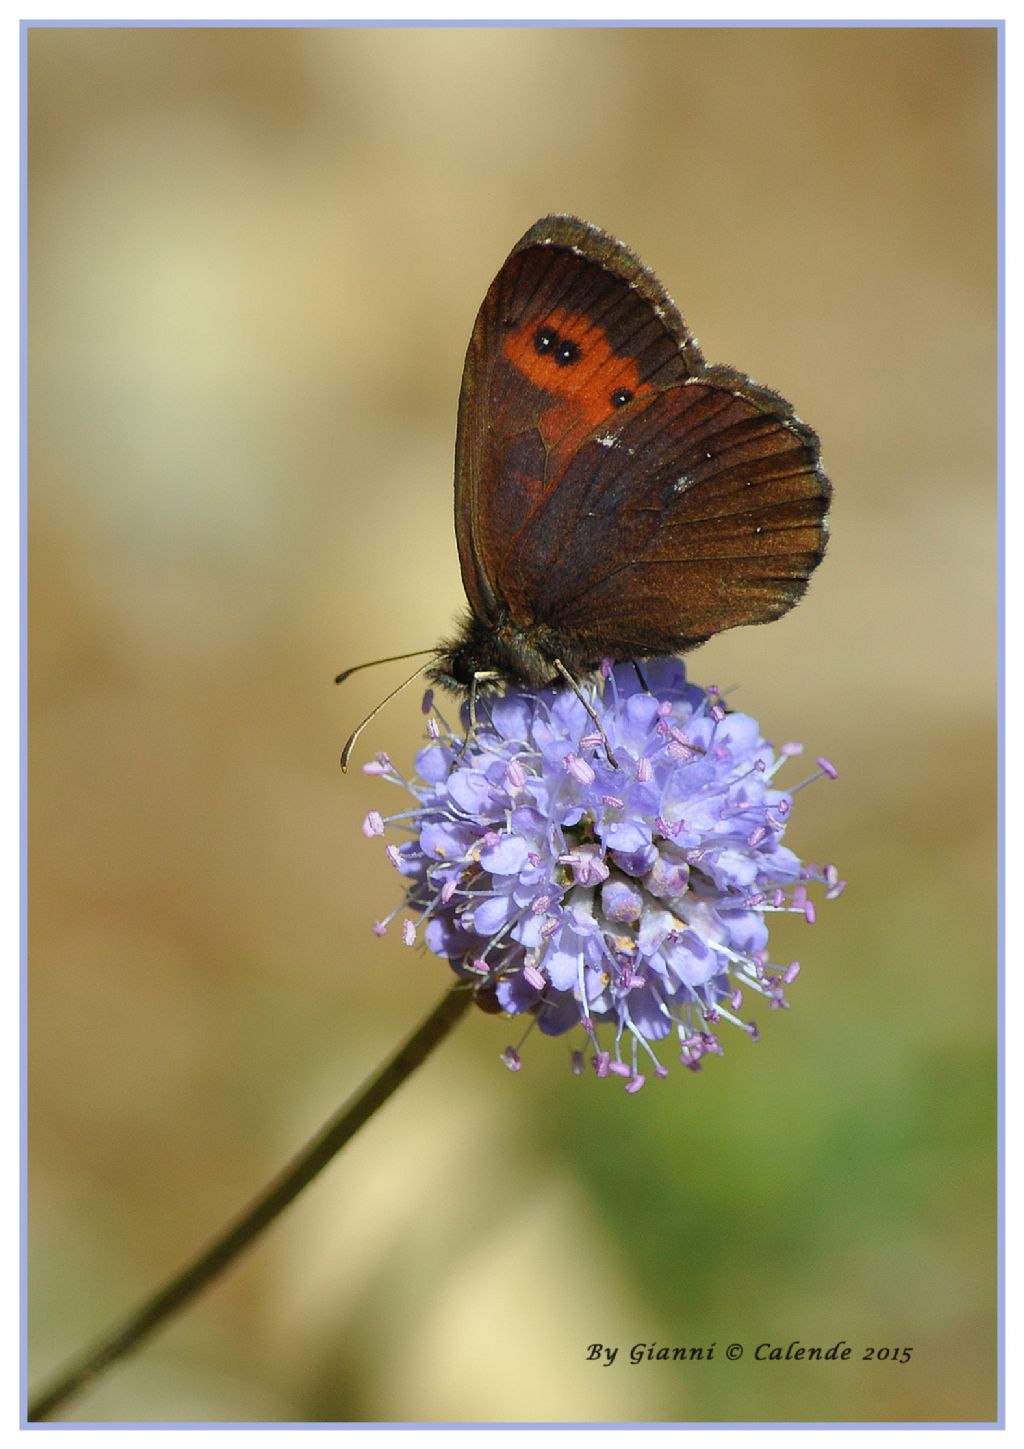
[{"x": 630, "y": 903}]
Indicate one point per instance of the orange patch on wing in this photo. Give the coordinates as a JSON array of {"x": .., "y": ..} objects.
[{"x": 581, "y": 390}]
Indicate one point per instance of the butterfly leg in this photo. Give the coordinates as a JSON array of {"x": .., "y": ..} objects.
[
  {"x": 574, "y": 686},
  {"x": 640, "y": 675},
  {"x": 482, "y": 676}
]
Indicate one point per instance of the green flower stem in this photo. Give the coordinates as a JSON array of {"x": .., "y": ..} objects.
[{"x": 315, "y": 1156}]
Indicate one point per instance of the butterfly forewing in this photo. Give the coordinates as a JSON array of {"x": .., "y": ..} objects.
[{"x": 572, "y": 330}]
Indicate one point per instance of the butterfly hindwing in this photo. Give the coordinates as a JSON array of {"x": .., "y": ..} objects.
[{"x": 698, "y": 510}]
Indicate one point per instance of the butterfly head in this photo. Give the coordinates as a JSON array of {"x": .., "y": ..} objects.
[{"x": 495, "y": 654}]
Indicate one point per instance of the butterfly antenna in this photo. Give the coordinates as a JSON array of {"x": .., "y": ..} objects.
[
  {"x": 391, "y": 659},
  {"x": 573, "y": 684},
  {"x": 347, "y": 751}
]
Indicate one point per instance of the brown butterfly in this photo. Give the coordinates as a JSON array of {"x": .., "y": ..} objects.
[{"x": 615, "y": 495}]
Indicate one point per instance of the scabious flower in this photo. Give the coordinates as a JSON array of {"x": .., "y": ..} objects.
[{"x": 630, "y": 901}]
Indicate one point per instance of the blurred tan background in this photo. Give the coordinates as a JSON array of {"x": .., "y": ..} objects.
[{"x": 255, "y": 258}]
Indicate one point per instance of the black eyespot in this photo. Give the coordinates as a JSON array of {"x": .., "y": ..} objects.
[
  {"x": 566, "y": 352},
  {"x": 621, "y": 396},
  {"x": 545, "y": 339}
]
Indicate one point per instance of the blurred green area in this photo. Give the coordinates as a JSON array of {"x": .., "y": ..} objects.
[{"x": 255, "y": 258}]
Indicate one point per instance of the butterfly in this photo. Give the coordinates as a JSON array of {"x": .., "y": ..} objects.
[{"x": 616, "y": 496}]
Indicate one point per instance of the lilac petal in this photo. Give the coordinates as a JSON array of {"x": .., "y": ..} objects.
[
  {"x": 471, "y": 791},
  {"x": 446, "y": 937},
  {"x": 433, "y": 763},
  {"x": 507, "y": 857},
  {"x": 559, "y": 1014},
  {"x": 628, "y": 836},
  {"x": 490, "y": 915},
  {"x": 739, "y": 732},
  {"x": 568, "y": 715},
  {"x": 665, "y": 676},
  {"x": 647, "y": 1015},
  {"x": 737, "y": 868},
  {"x": 655, "y": 926},
  {"x": 691, "y": 959},
  {"x": 511, "y": 714},
  {"x": 747, "y": 930},
  {"x": 561, "y": 961},
  {"x": 442, "y": 840},
  {"x": 515, "y": 994}
]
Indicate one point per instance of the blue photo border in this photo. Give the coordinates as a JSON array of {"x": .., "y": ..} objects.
[{"x": 998, "y": 25}]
